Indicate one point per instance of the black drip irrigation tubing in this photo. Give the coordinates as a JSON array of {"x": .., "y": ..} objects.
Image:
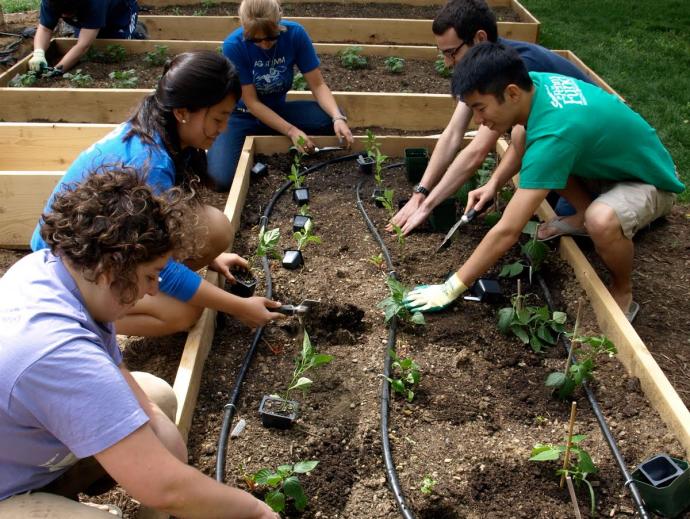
[
  {"x": 601, "y": 419},
  {"x": 391, "y": 473},
  {"x": 230, "y": 407}
]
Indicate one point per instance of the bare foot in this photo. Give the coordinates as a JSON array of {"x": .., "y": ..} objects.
[{"x": 571, "y": 225}]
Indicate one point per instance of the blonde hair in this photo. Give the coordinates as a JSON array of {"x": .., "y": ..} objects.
[{"x": 260, "y": 16}]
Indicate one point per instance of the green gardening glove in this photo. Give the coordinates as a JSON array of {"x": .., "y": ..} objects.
[{"x": 432, "y": 298}]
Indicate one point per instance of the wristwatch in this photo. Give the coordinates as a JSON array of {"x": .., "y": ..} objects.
[
  {"x": 340, "y": 117},
  {"x": 419, "y": 188}
]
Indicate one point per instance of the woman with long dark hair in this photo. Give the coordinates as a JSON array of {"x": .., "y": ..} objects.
[
  {"x": 265, "y": 51},
  {"x": 167, "y": 137}
]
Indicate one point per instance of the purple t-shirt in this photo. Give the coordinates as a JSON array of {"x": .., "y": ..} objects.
[{"x": 62, "y": 395}]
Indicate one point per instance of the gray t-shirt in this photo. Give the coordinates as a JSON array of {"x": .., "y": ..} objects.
[{"x": 62, "y": 395}]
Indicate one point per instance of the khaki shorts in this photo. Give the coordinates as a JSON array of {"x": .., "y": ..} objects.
[{"x": 635, "y": 203}]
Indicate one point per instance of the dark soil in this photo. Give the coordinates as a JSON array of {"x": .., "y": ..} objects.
[
  {"x": 481, "y": 405},
  {"x": 339, "y": 10}
]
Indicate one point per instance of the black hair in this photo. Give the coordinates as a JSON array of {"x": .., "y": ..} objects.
[
  {"x": 466, "y": 17},
  {"x": 488, "y": 68},
  {"x": 191, "y": 80}
]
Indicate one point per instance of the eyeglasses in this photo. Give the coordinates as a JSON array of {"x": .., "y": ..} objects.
[
  {"x": 450, "y": 53},
  {"x": 273, "y": 37}
]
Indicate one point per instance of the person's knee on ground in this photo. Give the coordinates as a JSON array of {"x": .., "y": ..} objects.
[{"x": 217, "y": 232}]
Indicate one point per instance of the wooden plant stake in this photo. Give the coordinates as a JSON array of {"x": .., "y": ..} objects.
[
  {"x": 573, "y": 497},
  {"x": 574, "y": 339},
  {"x": 566, "y": 456},
  {"x": 519, "y": 294}
]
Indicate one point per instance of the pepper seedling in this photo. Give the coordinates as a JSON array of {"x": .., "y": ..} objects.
[
  {"x": 157, "y": 57},
  {"x": 406, "y": 376},
  {"x": 427, "y": 485},
  {"x": 393, "y": 304},
  {"x": 351, "y": 58},
  {"x": 299, "y": 194},
  {"x": 124, "y": 78},
  {"x": 245, "y": 280},
  {"x": 298, "y": 82},
  {"x": 293, "y": 258},
  {"x": 301, "y": 219},
  {"x": 440, "y": 67},
  {"x": 282, "y": 484},
  {"x": 531, "y": 324},
  {"x": 394, "y": 64},
  {"x": 386, "y": 201}
]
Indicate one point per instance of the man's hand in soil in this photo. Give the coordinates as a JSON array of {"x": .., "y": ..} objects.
[
  {"x": 256, "y": 311},
  {"x": 227, "y": 261},
  {"x": 416, "y": 219},
  {"x": 38, "y": 60},
  {"x": 401, "y": 217},
  {"x": 432, "y": 298}
]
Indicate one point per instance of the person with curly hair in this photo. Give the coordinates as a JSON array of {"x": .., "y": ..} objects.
[
  {"x": 265, "y": 50},
  {"x": 167, "y": 136},
  {"x": 73, "y": 418}
]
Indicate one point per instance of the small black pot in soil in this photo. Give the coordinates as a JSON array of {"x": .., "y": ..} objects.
[
  {"x": 377, "y": 193},
  {"x": 485, "y": 290},
  {"x": 277, "y": 412},
  {"x": 299, "y": 221},
  {"x": 416, "y": 160},
  {"x": 301, "y": 195},
  {"x": 293, "y": 259},
  {"x": 245, "y": 283},
  {"x": 443, "y": 216},
  {"x": 259, "y": 170},
  {"x": 366, "y": 164}
]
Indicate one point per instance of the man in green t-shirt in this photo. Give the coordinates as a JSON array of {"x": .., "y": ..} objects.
[{"x": 579, "y": 140}]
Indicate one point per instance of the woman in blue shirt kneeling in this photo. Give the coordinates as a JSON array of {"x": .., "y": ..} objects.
[
  {"x": 265, "y": 50},
  {"x": 167, "y": 137}
]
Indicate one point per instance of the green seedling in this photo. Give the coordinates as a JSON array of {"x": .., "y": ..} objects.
[
  {"x": 176, "y": 11},
  {"x": 304, "y": 210},
  {"x": 586, "y": 349},
  {"x": 298, "y": 82},
  {"x": 371, "y": 144},
  {"x": 352, "y": 58},
  {"x": 295, "y": 175},
  {"x": 282, "y": 484},
  {"x": 579, "y": 466},
  {"x": 307, "y": 360},
  {"x": 203, "y": 11},
  {"x": 535, "y": 251},
  {"x": 27, "y": 79},
  {"x": 378, "y": 261},
  {"x": 78, "y": 79},
  {"x": 394, "y": 64},
  {"x": 267, "y": 246},
  {"x": 124, "y": 78},
  {"x": 157, "y": 57},
  {"x": 110, "y": 54},
  {"x": 406, "y": 376},
  {"x": 531, "y": 324},
  {"x": 306, "y": 236},
  {"x": 387, "y": 202},
  {"x": 379, "y": 159},
  {"x": 393, "y": 304},
  {"x": 427, "y": 486},
  {"x": 440, "y": 67}
]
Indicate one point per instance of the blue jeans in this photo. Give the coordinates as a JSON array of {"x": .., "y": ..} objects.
[{"x": 225, "y": 152}]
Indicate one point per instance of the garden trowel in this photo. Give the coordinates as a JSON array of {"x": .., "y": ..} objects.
[
  {"x": 301, "y": 309},
  {"x": 466, "y": 218}
]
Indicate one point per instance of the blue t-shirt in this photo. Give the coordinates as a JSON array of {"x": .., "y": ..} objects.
[
  {"x": 540, "y": 59},
  {"x": 176, "y": 279},
  {"x": 62, "y": 394},
  {"x": 271, "y": 71},
  {"x": 114, "y": 17}
]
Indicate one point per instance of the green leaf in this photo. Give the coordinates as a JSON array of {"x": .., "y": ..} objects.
[
  {"x": 398, "y": 386},
  {"x": 274, "y": 480},
  {"x": 303, "y": 383},
  {"x": 285, "y": 470},
  {"x": 536, "y": 344},
  {"x": 586, "y": 465},
  {"x": 262, "y": 476},
  {"x": 276, "y": 500},
  {"x": 505, "y": 318},
  {"x": 555, "y": 379},
  {"x": 321, "y": 359},
  {"x": 560, "y": 317},
  {"x": 410, "y": 395},
  {"x": 417, "y": 318},
  {"x": 492, "y": 218},
  {"x": 530, "y": 227},
  {"x": 577, "y": 438},
  {"x": 545, "y": 454},
  {"x": 293, "y": 489},
  {"x": 520, "y": 334},
  {"x": 303, "y": 467}
]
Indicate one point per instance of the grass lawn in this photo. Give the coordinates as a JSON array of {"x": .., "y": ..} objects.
[
  {"x": 16, "y": 6},
  {"x": 641, "y": 49}
]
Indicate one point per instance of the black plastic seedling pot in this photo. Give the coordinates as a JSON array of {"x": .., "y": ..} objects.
[
  {"x": 259, "y": 170},
  {"x": 301, "y": 195},
  {"x": 443, "y": 216},
  {"x": 485, "y": 290},
  {"x": 366, "y": 164},
  {"x": 293, "y": 259},
  {"x": 376, "y": 194},
  {"x": 299, "y": 221},
  {"x": 277, "y": 412},
  {"x": 416, "y": 160},
  {"x": 245, "y": 283},
  {"x": 664, "y": 483}
]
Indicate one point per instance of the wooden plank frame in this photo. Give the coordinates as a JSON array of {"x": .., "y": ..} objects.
[
  {"x": 326, "y": 30},
  {"x": 632, "y": 352}
]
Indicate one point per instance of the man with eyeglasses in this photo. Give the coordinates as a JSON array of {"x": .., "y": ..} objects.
[{"x": 460, "y": 25}]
